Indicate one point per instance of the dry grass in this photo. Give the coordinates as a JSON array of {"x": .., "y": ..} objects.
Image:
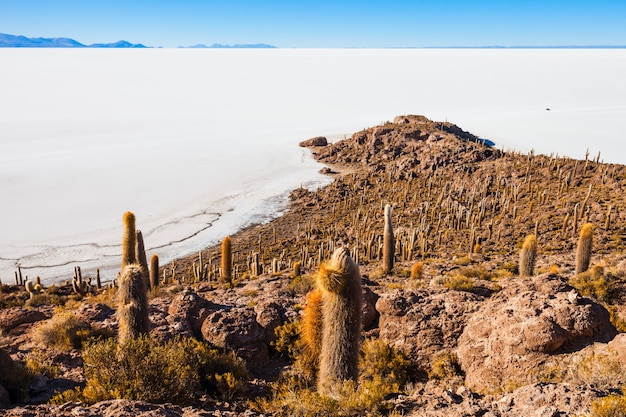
[
  {"x": 609, "y": 406},
  {"x": 383, "y": 371},
  {"x": 143, "y": 369},
  {"x": 64, "y": 331}
]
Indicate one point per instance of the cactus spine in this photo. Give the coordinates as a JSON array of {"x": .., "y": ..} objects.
[
  {"x": 154, "y": 271},
  {"x": 583, "y": 250},
  {"x": 527, "y": 256},
  {"x": 128, "y": 239},
  {"x": 132, "y": 309},
  {"x": 388, "y": 242},
  {"x": 227, "y": 261},
  {"x": 339, "y": 281}
]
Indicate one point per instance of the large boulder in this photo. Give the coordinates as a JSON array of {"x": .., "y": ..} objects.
[
  {"x": 188, "y": 310},
  {"x": 12, "y": 318},
  {"x": 424, "y": 322},
  {"x": 511, "y": 337},
  {"x": 237, "y": 329},
  {"x": 95, "y": 314},
  {"x": 269, "y": 315}
]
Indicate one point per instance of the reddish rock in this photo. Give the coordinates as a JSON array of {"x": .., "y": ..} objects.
[
  {"x": 369, "y": 318},
  {"x": 518, "y": 328},
  {"x": 94, "y": 313},
  {"x": 424, "y": 322},
  {"x": 269, "y": 315},
  {"x": 11, "y": 318},
  {"x": 190, "y": 309},
  {"x": 316, "y": 141},
  {"x": 238, "y": 330}
]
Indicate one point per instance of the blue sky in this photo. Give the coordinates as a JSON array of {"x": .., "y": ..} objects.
[{"x": 322, "y": 23}]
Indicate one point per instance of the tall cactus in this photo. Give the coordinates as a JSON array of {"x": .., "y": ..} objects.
[
  {"x": 132, "y": 312},
  {"x": 339, "y": 281},
  {"x": 140, "y": 256},
  {"x": 128, "y": 239},
  {"x": 527, "y": 257},
  {"x": 227, "y": 261},
  {"x": 154, "y": 271},
  {"x": 388, "y": 242},
  {"x": 583, "y": 250}
]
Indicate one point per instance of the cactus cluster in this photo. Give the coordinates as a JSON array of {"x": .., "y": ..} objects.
[{"x": 33, "y": 288}]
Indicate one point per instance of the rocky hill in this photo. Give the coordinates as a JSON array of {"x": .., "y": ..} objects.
[{"x": 452, "y": 329}]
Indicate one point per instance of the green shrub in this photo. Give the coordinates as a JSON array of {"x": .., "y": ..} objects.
[
  {"x": 595, "y": 282},
  {"x": 143, "y": 369},
  {"x": 63, "y": 331},
  {"x": 39, "y": 362},
  {"x": 459, "y": 283},
  {"x": 444, "y": 365},
  {"x": 610, "y": 406},
  {"x": 478, "y": 272},
  {"x": 379, "y": 360},
  {"x": 383, "y": 371},
  {"x": 287, "y": 339}
]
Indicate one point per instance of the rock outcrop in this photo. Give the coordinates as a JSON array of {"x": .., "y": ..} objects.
[
  {"x": 236, "y": 329},
  {"x": 424, "y": 322},
  {"x": 316, "y": 141},
  {"x": 511, "y": 337}
]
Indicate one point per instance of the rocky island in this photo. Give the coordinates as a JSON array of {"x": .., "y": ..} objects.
[{"x": 492, "y": 283}]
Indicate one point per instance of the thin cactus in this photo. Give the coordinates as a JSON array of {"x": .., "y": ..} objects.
[
  {"x": 227, "y": 261},
  {"x": 583, "y": 249},
  {"x": 140, "y": 256},
  {"x": 312, "y": 327},
  {"x": 154, "y": 271},
  {"x": 128, "y": 239},
  {"x": 388, "y": 242},
  {"x": 80, "y": 286},
  {"x": 527, "y": 256}
]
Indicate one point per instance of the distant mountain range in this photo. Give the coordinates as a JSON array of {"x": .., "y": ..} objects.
[
  {"x": 13, "y": 41},
  {"x": 237, "y": 45}
]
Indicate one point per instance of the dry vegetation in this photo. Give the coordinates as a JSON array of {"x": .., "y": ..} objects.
[{"x": 461, "y": 212}]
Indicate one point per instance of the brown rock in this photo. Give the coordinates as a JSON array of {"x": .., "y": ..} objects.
[
  {"x": 11, "y": 380},
  {"x": 191, "y": 309},
  {"x": 517, "y": 329},
  {"x": 369, "y": 318},
  {"x": 11, "y": 318},
  {"x": 316, "y": 141},
  {"x": 97, "y": 312},
  {"x": 424, "y": 322},
  {"x": 238, "y": 330},
  {"x": 546, "y": 399},
  {"x": 269, "y": 315}
]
